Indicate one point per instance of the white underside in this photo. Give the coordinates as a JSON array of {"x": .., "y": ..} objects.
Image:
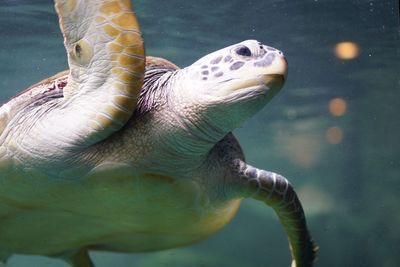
[{"x": 113, "y": 208}]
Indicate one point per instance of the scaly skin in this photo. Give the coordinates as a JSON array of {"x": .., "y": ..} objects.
[
  {"x": 81, "y": 170},
  {"x": 106, "y": 60},
  {"x": 277, "y": 192}
]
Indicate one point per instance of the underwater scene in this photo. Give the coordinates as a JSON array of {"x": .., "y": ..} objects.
[{"x": 333, "y": 130}]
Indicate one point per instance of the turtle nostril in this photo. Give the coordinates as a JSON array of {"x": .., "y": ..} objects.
[{"x": 284, "y": 58}]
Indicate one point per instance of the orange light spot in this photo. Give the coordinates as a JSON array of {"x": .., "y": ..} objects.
[
  {"x": 304, "y": 150},
  {"x": 334, "y": 135},
  {"x": 337, "y": 107},
  {"x": 347, "y": 50},
  {"x": 110, "y": 8}
]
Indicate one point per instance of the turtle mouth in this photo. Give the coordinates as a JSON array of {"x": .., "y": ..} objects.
[
  {"x": 259, "y": 85},
  {"x": 258, "y": 79},
  {"x": 274, "y": 81},
  {"x": 261, "y": 82}
]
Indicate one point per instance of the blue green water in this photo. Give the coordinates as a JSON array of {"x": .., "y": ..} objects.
[{"x": 350, "y": 189}]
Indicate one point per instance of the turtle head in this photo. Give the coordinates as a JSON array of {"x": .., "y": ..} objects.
[{"x": 230, "y": 85}]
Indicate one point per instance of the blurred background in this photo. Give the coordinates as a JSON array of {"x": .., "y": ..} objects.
[{"x": 333, "y": 130}]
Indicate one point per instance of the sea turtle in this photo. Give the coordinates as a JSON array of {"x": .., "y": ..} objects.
[{"x": 86, "y": 163}]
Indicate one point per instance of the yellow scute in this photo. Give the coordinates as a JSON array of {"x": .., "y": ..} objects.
[
  {"x": 116, "y": 113},
  {"x": 126, "y": 20},
  {"x": 127, "y": 4},
  {"x": 71, "y": 4},
  {"x": 126, "y": 60},
  {"x": 110, "y": 8},
  {"x": 115, "y": 47},
  {"x": 129, "y": 39},
  {"x": 111, "y": 31},
  {"x": 100, "y": 19},
  {"x": 127, "y": 78},
  {"x": 104, "y": 121},
  {"x": 134, "y": 50},
  {"x": 125, "y": 101}
]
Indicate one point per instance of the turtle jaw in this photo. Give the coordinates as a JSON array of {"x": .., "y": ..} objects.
[
  {"x": 265, "y": 80},
  {"x": 269, "y": 84},
  {"x": 273, "y": 82}
]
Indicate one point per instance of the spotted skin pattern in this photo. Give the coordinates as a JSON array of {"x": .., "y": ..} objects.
[{"x": 216, "y": 67}]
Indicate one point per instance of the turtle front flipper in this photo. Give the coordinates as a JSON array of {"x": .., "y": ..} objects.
[
  {"x": 274, "y": 190},
  {"x": 106, "y": 60}
]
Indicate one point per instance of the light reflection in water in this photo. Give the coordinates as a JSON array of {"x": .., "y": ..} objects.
[
  {"x": 347, "y": 50},
  {"x": 334, "y": 135},
  {"x": 338, "y": 107}
]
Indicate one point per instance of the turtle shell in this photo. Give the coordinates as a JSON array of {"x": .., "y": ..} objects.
[{"x": 52, "y": 87}]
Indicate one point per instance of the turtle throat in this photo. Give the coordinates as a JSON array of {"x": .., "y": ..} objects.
[
  {"x": 183, "y": 135},
  {"x": 182, "y": 126},
  {"x": 191, "y": 131}
]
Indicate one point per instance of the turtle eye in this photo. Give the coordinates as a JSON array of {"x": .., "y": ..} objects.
[{"x": 243, "y": 51}]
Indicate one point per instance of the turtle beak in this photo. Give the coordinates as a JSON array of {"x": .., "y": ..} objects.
[
  {"x": 267, "y": 74},
  {"x": 275, "y": 74}
]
